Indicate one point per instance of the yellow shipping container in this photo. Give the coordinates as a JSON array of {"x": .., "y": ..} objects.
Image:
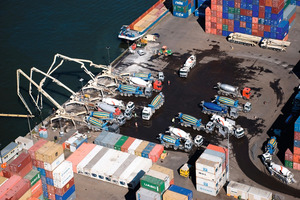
[
  {"x": 26, "y": 196},
  {"x": 154, "y": 11},
  {"x": 39, "y": 154},
  {"x": 138, "y": 151},
  {"x": 2, "y": 180},
  {"x": 164, "y": 170},
  {"x": 170, "y": 195},
  {"x": 54, "y": 152}
]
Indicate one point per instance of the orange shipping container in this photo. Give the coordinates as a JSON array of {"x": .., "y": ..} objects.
[
  {"x": 207, "y": 25},
  {"x": 254, "y": 20},
  {"x": 36, "y": 186},
  {"x": 213, "y": 31},
  {"x": 296, "y": 166},
  {"x": 207, "y": 30},
  {"x": 254, "y": 32},
  {"x": 230, "y": 28},
  {"x": 286, "y": 37},
  {"x": 219, "y": 8},
  {"x": 37, "y": 193},
  {"x": 288, "y": 155},
  {"x": 243, "y": 24},
  {"x": 269, "y": 3},
  {"x": 213, "y": 2},
  {"x": 207, "y": 11},
  {"x": 9, "y": 184},
  {"x": 219, "y": 14},
  {"x": 219, "y": 20},
  {"x": 254, "y": 26},
  {"x": 36, "y": 147},
  {"x": 219, "y": 26},
  {"x": 214, "y": 7},
  {"x": 79, "y": 154},
  {"x": 296, "y": 151},
  {"x": 127, "y": 144},
  {"x": 296, "y": 158},
  {"x": 214, "y": 19},
  {"x": 156, "y": 152}
]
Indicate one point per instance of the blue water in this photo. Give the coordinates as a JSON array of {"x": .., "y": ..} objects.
[{"x": 32, "y": 32}]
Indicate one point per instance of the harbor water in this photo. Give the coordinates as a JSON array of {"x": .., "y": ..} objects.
[{"x": 32, "y": 32}]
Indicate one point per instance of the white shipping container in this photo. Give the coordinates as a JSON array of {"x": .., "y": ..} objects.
[
  {"x": 115, "y": 177},
  {"x": 208, "y": 183},
  {"x": 161, "y": 176},
  {"x": 24, "y": 143},
  {"x": 127, "y": 172},
  {"x": 62, "y": 170},
  {"x": 122, "y": 158},
  {"x": 208, "y": 176},
  {"x": 88, "y": 158},
  {"x": 208, "y": 166},
  {"x": 259, "y": 194},
  {"x": 134, "y": 179},
  {"x": 207, "y": 190},
  {"x": 134, "y": 145},
  {"x": 64, "y": 180},
  {"x": 213, "y": 159},
  {"x": 87, "y": 169},
  {"x": 73, "y": 138},
  {"x": 236, "y": 189},
  {"x": 52, "y": 166},
  {"x": 144, "y": 194},
  {"x": 109, "y": 164},
  {"x": 103, "y": 161}
]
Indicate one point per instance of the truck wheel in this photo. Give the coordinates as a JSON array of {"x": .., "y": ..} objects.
[
  {"x": 175, "y": 148},
  {"x": 122, "y": 94},
  {"x": 194, "y": 128},
  {"x": 166, "y": 145}
]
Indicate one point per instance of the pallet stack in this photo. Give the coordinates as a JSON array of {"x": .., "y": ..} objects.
[
  {"x": 296, "y": 157},
  {"x": 183, "y": 8}
]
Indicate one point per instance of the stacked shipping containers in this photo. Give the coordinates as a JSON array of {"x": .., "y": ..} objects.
[
  {"x": 211, "y": 169},
  {"x": 201, "y": 6},
  {"x": 288, "y": 158},
  {"x": 183, "y": 8},
  {"x": 263, "y": 18},
  {"x": 131, "y": 145},
  {"x": 296, "y": 157}
]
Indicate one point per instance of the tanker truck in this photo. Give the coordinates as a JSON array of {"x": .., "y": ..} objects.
[
  {"x": 130, "y": 90},
  {"x": 155, "y": 104},
  {"x": 212, "y": 108},
  {"x": 190, "y": 121},
  {"x": 229, "y": 90},
  {"x": 277, "y": 45},
  {"x": 233, "y": 104},
  {"x": 136, "y": 81}
]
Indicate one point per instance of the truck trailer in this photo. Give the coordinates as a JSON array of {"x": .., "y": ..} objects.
[{"x": 245, "y": 39}]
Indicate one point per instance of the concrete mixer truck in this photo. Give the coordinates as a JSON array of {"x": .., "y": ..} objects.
[
  {"x": 155, "y": 104},
  {"x": 224, "y": 111},
  {"x": 190, "y": 121},
  {"x": 229, "y": 90}
]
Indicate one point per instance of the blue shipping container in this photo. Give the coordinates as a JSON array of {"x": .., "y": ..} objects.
[
  {"x": 255, "y": 8},
  {"x": 248, "y": 25},
  {"x": 225, "y": 4},
  {"x": 45, "y": 193},
  {"x": 273, "y": 29},
  {"x": 267, "y": 22},
  {"x": 230, "y": 16},
  {"x": 225, "y": 15},
  {"x": 66, "y": 195},
  {"x": 297, "y": 125},
  {"x": 266, "y": 34},
  {"x": 42, "y": 171},
  {"x": 236, "y": 28},
  {"x": 180, "y": 2},
  {"x": 254, "y": 13},
  {"x": 236, "y": 23},
  {"x": 255, "y": 2},
  {"x": 43, "y": 178},
  {"x": 249, "y": 31},
  {"x": 49, "y": 181},
  {"x": 242, "y": 30},
  {"x": 268, "y": 9},
  {"x": 225, "y": 9},
  {"x": 100, "y": 137},
  {"x": 237, "y": 17},
  {"x": 224, "y": 33},
  {"x": 181, "y": 190},
  {"x": 282, "y": 27},
  {"x": 297, "y": 143},
  {"x": 273, "y": 35},
  {"x": 181, "y": 15},
  {"x": 267, "y": 15},
  {"x": 243, "y": 5},
  {"x": 249, "y": 6},
  {"x": 261, "y": 20},
  {"x": 231, "y": 4},
  {"x": 248, "y": 19},
  {"x": 249, "y": 1},
  {"x": 297, "y": 3}
]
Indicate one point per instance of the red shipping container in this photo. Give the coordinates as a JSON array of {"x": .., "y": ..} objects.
[
  {"x": 213, "y": 2},
  {"x": 255, "y": 32},
  {"x": 231, "y": 22},
  {"x": 214, "y": 25},
  {"x": 156, "y": 152},
  {"x": 219, "y": 15},
  {"x": 261, "y": 9},
  {"x": 214, "y": 7},
  {"x": 79, "y": 154},
  {"x": 34, "y": 162},
  {"x": 219, "y": 8},
  {"x": 38, "y": 192},
  {"x": 219, "y": 31},
  {"x": 20, "y": 162},
  {"x": 218, "y": 149},
  {"x": 36, "y": 186},
  {"x": 214, "y": 19},
  {"x": 243, "y": 12},
  {"x": 269, "y": 3},
  {"x": 267, "y": 28},
  {"x": 249, "y": 13},
  {"x": 261, "y": 27},
  {"x": 214, "y": 13},
  {"x": 62, "y": 191},
  {"x": 239, "y": 1},
  {"x": 291, "y": 20},
  {"x": 260, "y": 33},
  {"x": 254, "y": 26},
  {"x": 50, "y": 189},
  {"x": 9, "y": 184},
  {"x": 51, "y": 196},
  {"x": 49, "y": 174},
  {"x": 288, "y": 155},
  {"x": 214, "y": 31},
  {"x": 261, "y": 14},
  {"x": 219, "y": 26},
  {"x": 207, "y": 30},
  {"x": 7, "y": 173},
  {"x": 242, "y": 24},
  {"x": 130, "y": 140},
  {"x": 219, "y": 20},
  {"x": 36, "y": 147},
  {"x": 296, "y": 135},
  {"x": 255, "y": 20},
  {"x": 276, "y": 10},
  {"x": 219, "y": 2},
  {"x": 25, "y": 170},
  {"x": 296, "y": 166},
  {"x": 230, "y": 28},
  {"x": 296, "y": 151},
  {"x": 207, "y": 25},
  {"x": 276, "y": 3},
  {"x": 224, "y": 21},
  {"x": 172, "y": 182},
  {"x": 207, "y": 11},
  {"x": 296, "y": 158},
  {"x": 18, "y": 190},
  {"x": 262, "y": 2},
  {"x": 40, "y": 164}
]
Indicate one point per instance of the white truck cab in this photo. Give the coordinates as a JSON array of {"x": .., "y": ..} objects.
[{"x": 147, "y": 113}]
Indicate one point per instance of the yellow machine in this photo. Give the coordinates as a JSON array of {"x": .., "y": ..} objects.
[
  {"x": 185, "y": 170},
  {"x": 163, "y": 155}
]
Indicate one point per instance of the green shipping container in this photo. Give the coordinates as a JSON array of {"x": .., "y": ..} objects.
[
  {"x": 237, "y": 11},
  {"x": 287, "y": 3},
  {"x": 182, "y": 9},
  {"x": 225, "y": 27},
  {"x": 288, "y": 164},
  {"x": 120, "y": 142},
  {"x": 153, "y": 184},
  {"x": 231, "y": 10},
  {"x": 34, "y": 176}
]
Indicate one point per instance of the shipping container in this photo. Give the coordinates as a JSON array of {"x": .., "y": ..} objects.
[
  {"x": 170, "y": 195},
  {"x": 138, "y": 151},
  {"x": 144, "y": 194},
  {"x": 297, "y": 125},
  {"x": 120, "y": 142},
  {"x": 127, "y": 144},
  {"x": 115, "y": 176},
  {"x": 9, "y": 152},
  {"x": 115, "y": 166},
  {"x": 164, "y": 177},
  {"x": 39, "y": 154},
  {"x": 26, "y": 196},
  {"x": 62, "y": 174},
  {"x": 296, "y": 150},
  {"x": 110, "y": 140},
  {"x": 2, "y": 180},
  {"x": 79, "y": 154},
  {"x": 209, "y": 166},
  {"x": 148, "y": 149},
  {"x": 219, "y": 149},
  {"x": 88, "y": 158},
  {"x": 63, "y": 190},
  {"x": 237, "y": 190},
  {"x": 77, "y": 143},
  {"x": 20, "y": 163},
  {"x": 24, "y": 143},
  {"x": 180, "y": 190},
  {"x": 55, "y": 163},
  {"x": 100, "y": 137},
  {"x": 53, "y": 153},
  {"x": 206, "y": 190},
  {"x": 51, "y": 189},
  {"x": 216, "y": 153},
  {"x": 72, "y": 141},
  {"x": 164, "y": 170},
  {"x": 209, "y": 183},
  {"x": 87, "y": 169},
  {"x": 18, "y": 190},
  {"x": 288, "y": 155},
  {"x": 288, "y": 164},
  {"x": 296, "y": 135},
  {"x": 66, "y": 195},
  {"x": 296, "y": 158},
  {"x": 156, "y": 152},
  {"x": 33, "y": 176},
  {"x": 259, "y": 194},
  {"x": 208, "y": 176},
  {"x": 296, "y": 166},
  {"x": 153, "y": 184},
  {"x": 297, "y": 143},
  {"x": 36, "y": 187}
]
